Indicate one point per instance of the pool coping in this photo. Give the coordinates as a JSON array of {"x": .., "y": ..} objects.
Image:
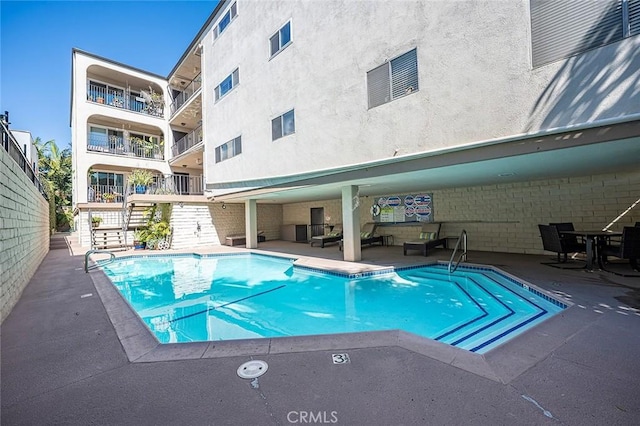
[{"x": 501, "y": 364}]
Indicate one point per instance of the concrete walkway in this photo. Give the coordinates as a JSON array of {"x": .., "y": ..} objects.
[{"x": 63, "y": 363}]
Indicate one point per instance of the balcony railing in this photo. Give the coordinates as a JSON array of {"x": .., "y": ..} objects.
[
  {"x": 187, "y": 141},
  {"x": 105, "y": 194},
  {"x": 150, "y": 104},
  {"x": 12, "y": 147},
  {"x": 132, "y": 147},
  {"x": 186, "y": 94},
  {"x": 172, "y": 185}
]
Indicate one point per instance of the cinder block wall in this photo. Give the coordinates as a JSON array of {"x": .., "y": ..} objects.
[
  {"x": 231, "y": 220},
  {"x": 504, "y": 218},
  {"x": 24, "y": 232}
]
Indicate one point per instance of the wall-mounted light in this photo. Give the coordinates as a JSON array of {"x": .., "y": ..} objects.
[
  {"x": 181, "y": 204},
  {"x": 199, "y": 161},
  {"x": 224, "y": 206}
]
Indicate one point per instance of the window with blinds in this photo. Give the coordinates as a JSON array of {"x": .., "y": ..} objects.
[
  {"x": 393, "y": 80},
  {"x": 230, "y": 82},
  {"x": 634, "y": 17},
  {"x": 560, "y": 29},
  {"x": 283, "y": 125},
  {"x": 229, "y": 149}
]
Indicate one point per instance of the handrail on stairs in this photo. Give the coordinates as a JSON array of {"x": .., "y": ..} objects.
[
  {"x": 87, "y": 268},
  {"x": 463, "y": 256}
]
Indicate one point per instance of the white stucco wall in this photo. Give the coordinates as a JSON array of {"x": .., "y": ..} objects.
[
  {"x": 83, "y": 111},
  {"x": 475, "y": 76}
]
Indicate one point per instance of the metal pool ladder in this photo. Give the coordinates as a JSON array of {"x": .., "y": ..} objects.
[
  {"x": 463, "y": 256},
  {"x": 89, "y": 253}
]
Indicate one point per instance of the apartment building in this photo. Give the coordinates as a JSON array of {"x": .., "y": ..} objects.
[{"x": 486, "y": 116}]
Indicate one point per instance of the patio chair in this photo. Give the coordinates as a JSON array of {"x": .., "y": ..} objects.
[
  {"x": 429, "y": 238},
  {"x": 567, "y": 226},
  {"x": 367, "y": 235},
  {"x": 551, "y": 241},
  {"x": 334, "y": 236},
  {"x": 627, "y": 248}
]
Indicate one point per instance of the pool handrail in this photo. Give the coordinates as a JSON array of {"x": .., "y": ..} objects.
[
  {"x": 95, "y": 265},
  {"x": 463, "y": 256}
]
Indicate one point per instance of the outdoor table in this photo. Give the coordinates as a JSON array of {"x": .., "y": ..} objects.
[{"x": 591, "y": 237}]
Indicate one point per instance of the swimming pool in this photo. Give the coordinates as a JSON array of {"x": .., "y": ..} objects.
[{"x": 191, "y": 298}]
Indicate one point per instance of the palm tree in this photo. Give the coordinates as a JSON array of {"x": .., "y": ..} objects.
[{"x": 55, "y": 172}]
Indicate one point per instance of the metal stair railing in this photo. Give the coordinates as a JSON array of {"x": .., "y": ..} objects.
[{"x": 463, "y": 256}]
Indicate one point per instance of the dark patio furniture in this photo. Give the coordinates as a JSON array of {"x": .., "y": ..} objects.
[
  {"x": 429, "y": 238},
  {"x": 552, "y": 241},
  {"x": 332, "y": 237},
  {"x": 627, "y": 248},
  {"x": 367, "y": 235},
  {"x": 567, "y": 226}
]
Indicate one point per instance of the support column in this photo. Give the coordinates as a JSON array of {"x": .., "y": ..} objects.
[
  {"x": 351, "y": 247},
  {"x": 251, "y": 223}
]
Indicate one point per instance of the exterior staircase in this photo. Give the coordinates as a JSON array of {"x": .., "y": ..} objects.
[
  {"x": 135, "y": 217},
  {"x": 108, "y": 239}
]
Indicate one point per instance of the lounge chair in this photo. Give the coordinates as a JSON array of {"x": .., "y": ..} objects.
[
  {"x": 429, "y": 238},
  {"x": 241, "y": 239},
  {"x": 367, "y": 235},
  {"x": 552, "y": 241},
  {"x": 335, "y": 235}
]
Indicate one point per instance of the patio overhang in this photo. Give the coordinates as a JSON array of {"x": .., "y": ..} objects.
[{"x": 612, "y": 147}]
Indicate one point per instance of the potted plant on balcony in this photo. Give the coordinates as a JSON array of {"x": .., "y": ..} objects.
[
  {"x": 140, "y": 178},
  {"x": 95, "y": 221},
  {"x": 108, "y": 197}
]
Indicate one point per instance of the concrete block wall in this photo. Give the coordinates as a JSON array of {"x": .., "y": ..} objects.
[
  {"x": 300, "y": 213},
  {"x": 24, "y": 232},
  {"x": 504, "y": 217},
  {"x": 216, "y": 223}
]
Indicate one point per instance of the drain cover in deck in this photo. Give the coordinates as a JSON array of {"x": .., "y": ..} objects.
[{"x": 252, "y": 369}]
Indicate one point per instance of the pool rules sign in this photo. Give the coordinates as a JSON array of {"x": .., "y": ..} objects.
[{"x": 407, "y": 208}]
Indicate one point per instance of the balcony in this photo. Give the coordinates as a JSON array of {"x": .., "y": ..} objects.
[
  {"x": 187, "y": 141},
  {"x": 162, "y": 185},
  {"x": 149, "y": 103},
  {"x": 187, "y": 93},
  {"x": 105, "y": 193},
  {"x": 130, "y": 146}
]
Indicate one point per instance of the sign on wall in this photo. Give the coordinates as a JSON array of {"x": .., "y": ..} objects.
[{"x": 399, "y": 209}]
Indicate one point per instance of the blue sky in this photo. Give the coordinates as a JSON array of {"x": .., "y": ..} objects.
[{"x": 36, "y": 38}]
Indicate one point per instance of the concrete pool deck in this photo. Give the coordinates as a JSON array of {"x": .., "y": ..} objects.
[{"x": 65, "y": 361}]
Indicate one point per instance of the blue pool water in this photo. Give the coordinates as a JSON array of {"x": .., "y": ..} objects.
[{"x": 192, "y": 298}]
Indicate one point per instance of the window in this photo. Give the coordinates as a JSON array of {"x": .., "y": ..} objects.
[
  {"x": 393, "y": 80},
  {"x": 225, "y": 21},
  {"x": 105, "y": 140},
  {"x": 229, "y": 149},
  {"x": 104, "y": 183},
  {"x": 283, "y": 125},
  {"x": 560, "y": 29},
  {"x": 227, "y": 84},
  {"x": 281, "y": 39}
]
